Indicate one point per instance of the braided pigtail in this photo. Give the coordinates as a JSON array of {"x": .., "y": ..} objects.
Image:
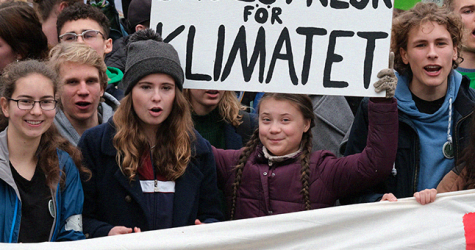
[
  {"x": 250, "y": 147},
  {"x": 305, "y": 169}
]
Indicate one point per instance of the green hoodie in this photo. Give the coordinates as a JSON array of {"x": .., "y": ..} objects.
[{"x": 115, "y": 75}]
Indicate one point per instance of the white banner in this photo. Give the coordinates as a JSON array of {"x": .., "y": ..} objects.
[
  {"x": 444, "y": 224},
  {"x": 333, "y": 47}
]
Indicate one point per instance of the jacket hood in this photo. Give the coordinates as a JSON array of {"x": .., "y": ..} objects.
[
  {"x": 407, "y": 105},
  {"x": 104, "y": 110}
]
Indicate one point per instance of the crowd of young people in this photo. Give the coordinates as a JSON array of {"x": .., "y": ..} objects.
[{"x": 76, "y": 163}]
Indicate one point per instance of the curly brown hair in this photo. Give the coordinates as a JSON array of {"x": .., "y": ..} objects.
[{"x": 415, "y": 17}]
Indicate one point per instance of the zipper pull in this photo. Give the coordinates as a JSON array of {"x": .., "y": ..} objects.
[{"x": 155, "y": 186}]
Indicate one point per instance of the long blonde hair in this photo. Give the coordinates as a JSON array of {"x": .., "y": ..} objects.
[
  {"x": 229, "y": 107},
  {"x": 174, "y": 138}
]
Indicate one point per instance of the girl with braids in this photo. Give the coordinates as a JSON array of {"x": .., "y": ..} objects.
[
  {"x": 277, "y": 172},
  {"x": 150, "y": 169},
  {"x": 40, "y": 187}
]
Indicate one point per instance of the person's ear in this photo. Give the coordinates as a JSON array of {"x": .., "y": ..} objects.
[
  {"x": 107, "y": 46},
  {"x": 404, "y": 55},
  {"x": 306, "y": 125},
  {"x": 61, "y": 6},
  {"x": 455, "y": 57},
  {"x": 139, "y": 27},
  {"x": 4, "y": 104}
]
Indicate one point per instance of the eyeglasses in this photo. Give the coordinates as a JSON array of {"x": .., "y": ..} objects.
[
  {"x": 87, "y": 35},
  {"x": 28, "y": 104}
]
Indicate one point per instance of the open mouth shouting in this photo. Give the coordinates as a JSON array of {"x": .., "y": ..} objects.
[
  {"x": 83, "y": 105},
  {"x": 433, "y": 70},
  {"x": 155, "y": 111}
]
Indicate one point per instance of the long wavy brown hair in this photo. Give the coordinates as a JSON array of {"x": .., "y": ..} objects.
[
  {"x": 51, "y": 140},
  {"x": 173, "y": 149},
  {"x": 304, "y": 105},
  {"x": 229, "y": 107}
]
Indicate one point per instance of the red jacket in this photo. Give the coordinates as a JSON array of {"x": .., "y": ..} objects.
[{"x": 275, "y": 187}]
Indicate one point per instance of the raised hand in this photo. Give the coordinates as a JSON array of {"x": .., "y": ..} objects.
[{"x": 387, "y": 79}]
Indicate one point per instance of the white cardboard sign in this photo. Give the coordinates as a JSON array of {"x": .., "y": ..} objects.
[{"x": 332, "y": 47}]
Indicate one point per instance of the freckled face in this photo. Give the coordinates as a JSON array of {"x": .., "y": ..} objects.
[{"x": 281, "y": 126}]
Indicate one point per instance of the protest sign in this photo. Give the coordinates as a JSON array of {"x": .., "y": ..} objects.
[{"x": 333, "y": 47}]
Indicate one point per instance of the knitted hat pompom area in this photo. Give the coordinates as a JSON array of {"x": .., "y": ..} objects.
[{"x": 147, "y": 54}]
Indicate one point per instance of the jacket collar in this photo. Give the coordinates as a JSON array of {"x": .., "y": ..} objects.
[
  {"x": 465, "y": 101},
  {"x": 106, "y": 143},
  {"x": 5, "y": 171},
  {"x": 190, "y": 180}
]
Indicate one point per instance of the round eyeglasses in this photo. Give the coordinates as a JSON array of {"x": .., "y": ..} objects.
[
  {"x": 28, "y": 104},
  {"x": 87, "y": 35}
]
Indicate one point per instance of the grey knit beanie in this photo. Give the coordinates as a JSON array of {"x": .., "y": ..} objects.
[{"x": 148, "y": 54}]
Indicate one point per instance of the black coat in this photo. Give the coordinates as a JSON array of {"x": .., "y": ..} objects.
[
  {"x": 112, "y": 200},
  {"x": 403, "y": 182}
]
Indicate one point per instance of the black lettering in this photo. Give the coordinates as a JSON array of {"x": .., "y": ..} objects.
[
  {"x": 386, "y": 2},
  {"x": 275, "y": 15},
  {"x": 336, "y": 4},
  {"x": 369, "y": 55},
  {"x": 189, "y": 58},
  {"x": 309, "y": 33},
  {"x": 359, "y": 4},
  {"x": 172, "y": 35},
  {"x": 332, "y": 58},
  {"x": 283, "y": 38},
  {"x": 261, "y": 15},
  {"x": 247, "y": 12},
  {"x": 241, "y": 46},
  {"x": 218, "y": 60}
]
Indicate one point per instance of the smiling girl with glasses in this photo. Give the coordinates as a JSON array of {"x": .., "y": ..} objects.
[{"x": 40, "y": 188}]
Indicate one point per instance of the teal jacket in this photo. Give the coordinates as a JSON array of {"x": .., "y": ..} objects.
[{"x": 67, "y": 201}]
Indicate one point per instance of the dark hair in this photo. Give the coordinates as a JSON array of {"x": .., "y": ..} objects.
[
  {"x": 467, "y": 156},
  {"x": 80, "y": 11},
  {"x": 21, "y": 29},
  {"x": 51, "y": 140},
  {"x": 304, "y": 105},
  {"x": 415, "y": 17},
  {"x": 45, "y": 7}
]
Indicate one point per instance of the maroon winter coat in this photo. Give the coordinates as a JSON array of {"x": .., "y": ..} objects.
[{"x": 275, "y": 187}]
